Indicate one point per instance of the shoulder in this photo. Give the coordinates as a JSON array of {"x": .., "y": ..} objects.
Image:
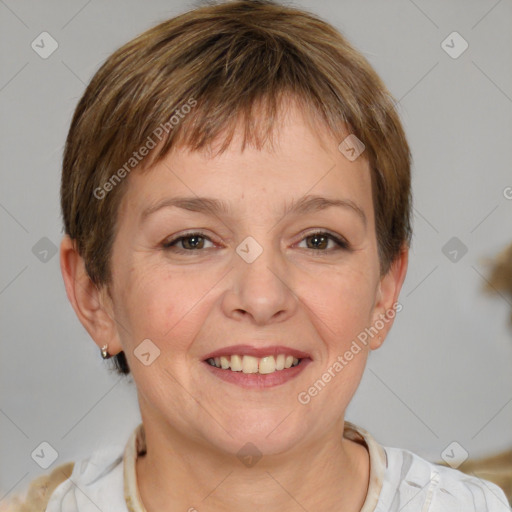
[
  {"x": 92, "y": 483},
  {"x": 39, "y": 491},
  {"x": 412, "y": 483},
  {"x": 95, "y": 483}
]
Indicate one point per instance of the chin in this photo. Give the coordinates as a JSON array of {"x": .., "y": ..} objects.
[{"x": 270, "y": 437}]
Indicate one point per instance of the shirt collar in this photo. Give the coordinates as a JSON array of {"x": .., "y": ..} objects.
[{"x": 136, "y": 446}]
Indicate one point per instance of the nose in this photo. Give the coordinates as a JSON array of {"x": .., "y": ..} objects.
[{"x": 260, "y": 290}]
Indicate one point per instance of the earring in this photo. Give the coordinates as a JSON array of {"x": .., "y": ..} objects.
[{"x": 104, "y": 352}]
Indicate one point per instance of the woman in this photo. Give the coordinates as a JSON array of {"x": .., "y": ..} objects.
[{"x": 236, "y": 201}]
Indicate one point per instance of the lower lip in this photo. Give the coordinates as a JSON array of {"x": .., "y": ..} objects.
[{"x": 257, "y": 380}]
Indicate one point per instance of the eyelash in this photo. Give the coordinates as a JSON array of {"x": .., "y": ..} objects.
[{"x": 341, "y": 243}]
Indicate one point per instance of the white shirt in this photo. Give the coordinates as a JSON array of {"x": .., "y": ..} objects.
[{"x": 400, "y": 481}]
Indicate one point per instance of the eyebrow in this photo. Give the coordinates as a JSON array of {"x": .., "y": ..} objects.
[{"x": 208, "y": 205}]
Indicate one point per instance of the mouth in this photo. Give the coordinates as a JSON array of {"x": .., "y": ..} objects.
[
  {"x": 252, "y": 367},
  {"x": 251, "y": 364},
  {"x": 262, "y": 360}
]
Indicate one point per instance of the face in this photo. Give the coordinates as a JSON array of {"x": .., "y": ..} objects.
[{"x": 195, "y": 282}]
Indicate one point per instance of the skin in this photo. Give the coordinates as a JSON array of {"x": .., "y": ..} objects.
[{"x": 315, "y": 299}]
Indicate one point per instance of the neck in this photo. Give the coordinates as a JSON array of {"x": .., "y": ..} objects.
[{"x": 180, "y": 473}]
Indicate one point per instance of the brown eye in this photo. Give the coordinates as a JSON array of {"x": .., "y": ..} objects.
[
  {"x": 189, "y": 243},
  {"x": 320, "y": 241}
]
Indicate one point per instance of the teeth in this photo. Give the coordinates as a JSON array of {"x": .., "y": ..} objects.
[
  {"x": 251, "y": 364},
  {"x": 236, "y": 363},
  {"x": 267, "y": 365}
]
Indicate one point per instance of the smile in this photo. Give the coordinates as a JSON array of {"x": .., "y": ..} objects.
[
  {"x": 251, "y": 372},
  {"x": 251, "y": 364}
]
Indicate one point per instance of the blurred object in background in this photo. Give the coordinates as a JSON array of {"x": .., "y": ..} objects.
[
  {"x": 496, "y": 468},
  {"x": 500, "y": 280}
]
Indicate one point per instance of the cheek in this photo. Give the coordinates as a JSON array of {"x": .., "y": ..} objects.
[
  {"x": 341, "y": 310},
  {"x": 342, "y": 299},
  {"x": 157, "y": 303}
]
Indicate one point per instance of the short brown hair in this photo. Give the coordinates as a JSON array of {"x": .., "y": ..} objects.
[{"x": 224, "y": 59}]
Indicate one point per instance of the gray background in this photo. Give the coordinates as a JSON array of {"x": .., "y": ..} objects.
[{"x": 443, "y": 374}]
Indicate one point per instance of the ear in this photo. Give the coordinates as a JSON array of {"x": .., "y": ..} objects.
[
  {"x": 92, "y": 304},
  {"x": 386, "y": 304}
]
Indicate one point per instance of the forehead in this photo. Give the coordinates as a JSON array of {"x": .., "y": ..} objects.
[{"x": 302, "y": 159}]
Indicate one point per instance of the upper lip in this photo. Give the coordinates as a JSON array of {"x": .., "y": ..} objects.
[{"x": 249, "y": 350}]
